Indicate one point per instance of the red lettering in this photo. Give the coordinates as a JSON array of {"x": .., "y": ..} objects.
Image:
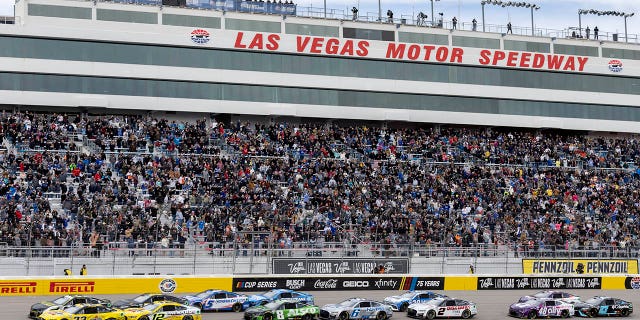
[
  {"x": 428, "y": 50},
  {"x": 524, "y": 61},
  {"x": 238, "y": 43},
  {"x": 257, "y": 42},
  {"x": 316, "y": 45},
  {"x": 484, "y": 57},
  {"x": 273, "y": 42},
  {"x": 456, "y": 55},
  {"x": 332, "y": 46},
  {"x": 511, "y": 60},
  {"x": 363, "y": 49},
  {"x": 442, "y": 53},
  {"x": 414, "y": 52},
  {"x": 581, "y": 62},
  {"x": 498, "y": 56},
  {"x": 347, "y": 49},
  {"x": 5, "y": 290},
  {"x": 395, "y": 51},
  {"x": 301, "y": 43},
  {"x": 538, "y": 61},
  {"x": 555, "y": 61},
  {"x": 571, "y": 64}
]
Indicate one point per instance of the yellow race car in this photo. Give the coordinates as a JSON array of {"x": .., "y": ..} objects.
[
  {"x": 84, "y": 312},
  {"x": 163, "y": 311}
]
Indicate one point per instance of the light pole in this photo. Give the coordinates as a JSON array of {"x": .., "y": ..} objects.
[
  {"x": 605, "y": 13},
  {"x": 433, "y": 19},
  {"x": 517, "y": 4}
]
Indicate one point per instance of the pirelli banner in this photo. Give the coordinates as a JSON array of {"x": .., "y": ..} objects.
[
  {"x": 115, "y": 285},
  {"x": 570, "y": 266},
  {"x": 339, "y": 266},
  {"x": 522, "y": 283},
  {"x": 252, "y": 284}
]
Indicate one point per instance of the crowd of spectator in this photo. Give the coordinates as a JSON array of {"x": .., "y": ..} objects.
[{"x": 142, "y": 180}]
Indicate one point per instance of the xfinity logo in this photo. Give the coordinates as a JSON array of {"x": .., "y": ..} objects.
[
  {"x": 295, "y": 284},
  {"x": 385, "y": 283},
  {"x": 296, "y": 267},
  {"x": 355, "y": 284},
  {"x": 326, "y": 284}
]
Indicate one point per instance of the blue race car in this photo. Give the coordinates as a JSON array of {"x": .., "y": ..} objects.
[
  {"x": 603, "y": 306},
  {"x": 219, "y": 300},
  {"x": 280, "y": 294},
  {"x": 402, "y": 302}
]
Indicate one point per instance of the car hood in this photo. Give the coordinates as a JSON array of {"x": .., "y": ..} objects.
[
  {"x": 192, "y": 298},
  {"x": 526, "y": 298},
  {"x": 124, "y": 303},
  {"x": 394, "y": 298},
  {"x": 521, "y": 306},
  {"x": 258, "y": 309},
  {"x": 42, "y": 305},
  {"x": 331, "y": 307}
]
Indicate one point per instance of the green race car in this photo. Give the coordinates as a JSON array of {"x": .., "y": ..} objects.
[{"x": 282, "y": 310}]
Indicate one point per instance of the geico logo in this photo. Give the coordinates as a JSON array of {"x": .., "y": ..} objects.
[
  {"x": 355, "y": 284},
  {"x": 267, "y": 284}
]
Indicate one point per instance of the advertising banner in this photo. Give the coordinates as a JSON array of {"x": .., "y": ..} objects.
[
  {"x": 518, "y": 283},
  {"x": 338, "y": 266},
  {"x": 632, "y": 283},
  {"x": 570, "y": 266},
  {"x": 338, "y": 283}
]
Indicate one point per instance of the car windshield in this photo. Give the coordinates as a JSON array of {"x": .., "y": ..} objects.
[
  {"x": 407, "y": 295},
  {"x": 61, "y": 300},
  {"x": 593, "y": 301},
  {"x": 203, "y": 294},
  {"x": 72, "y": 310},
  {"x": 150, "y": 307},
  {"x": 141, "y": 298},
  {"x": 435, "y": 302},
  {"x": 270, "y": 294},
  {"x": 347, "y": 303},
  {"x": 541, "y": 294}
]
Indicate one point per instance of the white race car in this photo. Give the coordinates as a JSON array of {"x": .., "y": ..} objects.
[{"x": 443, "y": 308}]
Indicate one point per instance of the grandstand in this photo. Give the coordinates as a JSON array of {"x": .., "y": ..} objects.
[{"x": 138, "y": 132}]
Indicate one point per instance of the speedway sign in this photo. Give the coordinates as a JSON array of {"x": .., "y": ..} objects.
[{"x": 595, "y": 266}]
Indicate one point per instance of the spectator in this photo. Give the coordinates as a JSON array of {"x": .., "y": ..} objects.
[
  {"x": 454, "y": 23},
  {"x": 390, "y": 16},
  {"x": 474, "y": 24},
  {"x": 354, "y": 11},
  {"x": 588, "y": 32},
  {"x": 83, "y": 270},
  {"x": 509, "y": 29},
  {"x": 595, "y": 33}
]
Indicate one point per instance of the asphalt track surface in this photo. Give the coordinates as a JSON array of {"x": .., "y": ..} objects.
[{"x": 491, "y": 304}]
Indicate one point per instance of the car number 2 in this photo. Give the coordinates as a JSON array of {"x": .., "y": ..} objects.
[{"x": 441, "y": 311}]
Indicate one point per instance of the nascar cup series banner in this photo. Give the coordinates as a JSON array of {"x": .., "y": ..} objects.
[
  {"x": 569, "y": 266},
  {"x": 339, "y": 266},
  {"x": 251, "y": 284}
]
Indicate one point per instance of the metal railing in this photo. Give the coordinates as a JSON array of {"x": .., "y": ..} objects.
[{"x": 237, "y": 258}]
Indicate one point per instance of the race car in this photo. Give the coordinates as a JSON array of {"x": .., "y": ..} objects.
[
  {"x": 443, "y": 307},
  {"x": 603, "y": 306},
  {"x": 218, "y": 300},
  {"x": 280, "y": 294},
  {"x": 541, "y": 308},
  {"x": 282, "y": 310},
  {"x": 551, "y": 294},
  {"x": 147, "y": 298},
  {"x": 83, "y": 312},
  {"x": 402, "y": 302},
  {"x": 68, "y": 300},
  {"x": 163, "y": 311},
  {"x": 356, "y": 308}
]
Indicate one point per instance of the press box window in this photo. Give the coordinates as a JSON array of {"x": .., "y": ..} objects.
[{"x": 368, "y": 34}]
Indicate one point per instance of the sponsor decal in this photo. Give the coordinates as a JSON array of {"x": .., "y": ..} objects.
[
  {"x": 355, "y": 284},
  {"x": 295, "y": 284},
  {"x": 256, "y": 285},
  {"x": 200, "y": 36},
  {"x": 330, "y": 266},
  {"x": 319, "y": 283},
  {"x": 615, "y": 65},
  {"x": 385, "y": 283},
  {"x": 632, "y": 283},
  {"x": 518, "y": 283},
  {"x": 72, "y": 286},
  {"x": 570, "y": 266},
  {"x": 168, "y": 285},
  {"x": 325, "y": 284},
  {"x": 18, "y": 287},
  {"x": 422, "y": 283}
]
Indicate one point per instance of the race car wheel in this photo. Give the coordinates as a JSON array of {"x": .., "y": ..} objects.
[
  {"x": 187, "y": 317},
  {"x": 343, "y": 316},
  {"x": 593, "y": 313},
  {"x": 307, "y": 317},
  {"x": 466, "y": 314},
  {"x": 236, "y": 307},
  {"x": 431, "y": 314},
  {"x": 267, "y": 316},
  {"x": 198, "y": 305},
  {"x": 144, "y": 318},
  {"x": 404, "y": 307},
  {"x": 624, "y": 312},
  {"x": 565, "y": 314},
  {"x": 381, "y": 315},
  {"x": 532, "y": 315}
]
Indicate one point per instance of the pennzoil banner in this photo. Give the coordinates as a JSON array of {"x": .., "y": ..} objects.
[{"x": 570, "y": 266}]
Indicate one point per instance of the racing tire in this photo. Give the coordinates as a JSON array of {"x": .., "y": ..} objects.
[
  {"x": 431, "y": 314},
  {"x": 343, "y": 316},
  {"x": 307, "y": 316},
  {"x": 144, "y": 318},
  {"x": 267, "y": 316},
  {"x": 466, "y": 314},
  {"x": 624, "y": 313},
  {"x": 565, "y": 314},
  {"x": 381, "y": 315},
  {"x": 403, "y": 307},
  {"x": 593, "y": 313},
  {"x": 532, "y": 315},
  {"x": 198, "y": 305},
  {"x": 187, "y": 317},
  {"x": 236, "y": 307}
]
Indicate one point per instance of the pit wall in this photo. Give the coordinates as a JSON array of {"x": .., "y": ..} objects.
[{"x": 190, "y": 284}]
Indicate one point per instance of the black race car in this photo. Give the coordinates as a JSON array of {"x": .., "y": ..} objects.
[
  {"x": 603, "y": 306},
  {"x": 68, "y": 300},
  {"x": 147, "y": 298}
]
